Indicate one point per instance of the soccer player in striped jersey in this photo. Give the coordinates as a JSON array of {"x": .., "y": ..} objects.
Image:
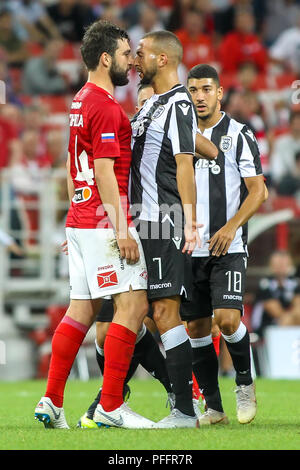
[
  {"x": 163, "y": 196},
  {"x": 230, "y": 190}
]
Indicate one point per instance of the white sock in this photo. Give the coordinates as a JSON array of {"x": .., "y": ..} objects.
[
  {"x": 174, "y": 337},
  {"x": 141, "y": 333},
  {"x": 201, "y": 342},
  {"x": 99, "y": 350},
  {"x": 238, "y": 335}
]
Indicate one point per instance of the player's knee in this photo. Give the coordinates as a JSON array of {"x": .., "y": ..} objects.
[
  {"x": 199, "y": 328},
  {"x": 227, "y": 320},
  {"x": 160, "y": 313},
  {"x": 138, "y": 309}
]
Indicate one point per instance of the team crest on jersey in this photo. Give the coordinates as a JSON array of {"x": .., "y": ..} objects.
[
  {"x": 158, "y": 112},
  {"x": 225, "y": 143}
]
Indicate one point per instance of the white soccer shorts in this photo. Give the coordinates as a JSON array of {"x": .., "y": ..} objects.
[{"x": 96, "y": 268}]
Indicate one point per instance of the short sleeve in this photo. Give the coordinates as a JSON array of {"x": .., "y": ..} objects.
[
  {"x": 264, "y": 291},
  {"x": 182, "y": 127},
  {"x": 104, "y": 122},
  {"x": 247, "y": 154}
]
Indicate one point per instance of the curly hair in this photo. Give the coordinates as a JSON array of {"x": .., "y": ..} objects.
[{"x": 100, "y": 36}]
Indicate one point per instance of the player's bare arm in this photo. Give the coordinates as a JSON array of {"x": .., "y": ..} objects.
[
  {"x": 70, "y": 184},
  {"x": 71, "y": 191},
  {"x": 109, "y": 193},
  {"x": 221, "y": 240},
  {"x": 205, "y": 148},
  {"x": 187, "y": 190}
]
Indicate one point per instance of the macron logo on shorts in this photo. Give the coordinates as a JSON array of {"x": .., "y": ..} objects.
[
  {"x": 108, "y": 137},
  {"x": 107, "y": 279}
]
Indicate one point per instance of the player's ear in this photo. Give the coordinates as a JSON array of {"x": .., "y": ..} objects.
[
  {"x": 162, "y": 60},
  {"x": 220, "y": 93},
  {"x": 105, "y": 59}
]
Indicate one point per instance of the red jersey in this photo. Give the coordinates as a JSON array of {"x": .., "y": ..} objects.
[
  {"x": 7, "y": 134},
  {"x": 237, "y": 48},
  {"x": 198, "y": 50},
  {"x": 99, "y": 128}
]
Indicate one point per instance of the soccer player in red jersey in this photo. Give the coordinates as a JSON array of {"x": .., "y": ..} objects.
[{"x": 105, "y": 254}]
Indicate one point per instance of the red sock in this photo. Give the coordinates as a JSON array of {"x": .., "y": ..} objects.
[
  {"x": 216, "y": 343},
  {"x": 118, "y": 350},
  {"x": 196, "y": 390},
  {"x": 66, "y": 342}
]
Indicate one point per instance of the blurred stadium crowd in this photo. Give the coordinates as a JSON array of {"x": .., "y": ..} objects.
[{"x": 254, "y": 44}]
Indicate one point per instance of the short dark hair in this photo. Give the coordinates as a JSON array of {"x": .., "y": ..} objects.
[
  {"x": 142, "y": 86},
  {"x": 167, "y": 41},
  {"x": 204, "y": 71},
  {"x": 101, "y": 36}
]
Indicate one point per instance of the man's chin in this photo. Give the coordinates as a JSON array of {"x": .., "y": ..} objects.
[
  {"x": 204, "y": 116},
  {"x": 145, "y": 80}
]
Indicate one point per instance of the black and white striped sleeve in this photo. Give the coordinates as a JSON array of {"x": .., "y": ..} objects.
[
  {"x": 247, "y": 154},
  {"x": 182, "y": 127}
]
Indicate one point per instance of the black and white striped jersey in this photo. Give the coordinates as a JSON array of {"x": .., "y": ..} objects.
[
  {"x": 165, "y": 127},
  {"x": 220, "y": 185}
]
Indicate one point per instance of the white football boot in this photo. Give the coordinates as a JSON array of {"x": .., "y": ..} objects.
[
  {"x": 177, "y": 419},
  {"x": 122, "y": 417},
  {"x": 245, "y": 403},
  {"x": 50, "y": 415},
  {"x": 212, "y": 417}
]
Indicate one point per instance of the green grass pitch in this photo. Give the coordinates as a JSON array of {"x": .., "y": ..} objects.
[{"x": 276, "y": 426}]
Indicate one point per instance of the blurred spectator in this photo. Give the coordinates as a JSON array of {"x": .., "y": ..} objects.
[
  {"x": 41, "y": 76},
  {"x": 28, "y": 177},
  {"x": 285, "y": 148},
  {"x": 148, "y": 22},
  {"x": 247, "y": 76},
  {"x": 112, "y": 13},
  {"x": 175, "y": 20},
  {"x": 10, "y": 40},
  {"x": 224, "y": 13},
  {"x": 280, "y": 16},
  {"x": 197, "y": 46},
  {"x": 289, "y": 185},
  {"x": 242, "y": 44},
  {"x": 278, "y": 296},
  {"x": 71, "y": 17},
  {"x": 244, "y": 106},
  {"x": 11, "y": 95},
  {"x": 254, "y": 115},
  {"x": 286, "y": 49},
  {"x": 28, "y": 172},
  {"x": 34, "y": 120},
  {"x": 56, "y": 148},
  {"x": 33, "y": 16},
  {"x": 13, "y": 114},
  {"x": 10, "y": 243},
  {"x": 10, "y": 146}
]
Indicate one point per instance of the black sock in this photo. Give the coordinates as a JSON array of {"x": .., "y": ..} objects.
[
  {"x": 240, "y": 355},
  {"x": 205, "y": 368},
  {"x": 179, "y": 366},
  {"x": 132, "y": 368},
  {"x": 100, "y": 361},
  {"x": 152, "y": 359}
]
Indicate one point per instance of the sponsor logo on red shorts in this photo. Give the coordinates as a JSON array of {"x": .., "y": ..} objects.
[
  {"x": 144, "y": 275},
  {"x": 107, "y": 279}
]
